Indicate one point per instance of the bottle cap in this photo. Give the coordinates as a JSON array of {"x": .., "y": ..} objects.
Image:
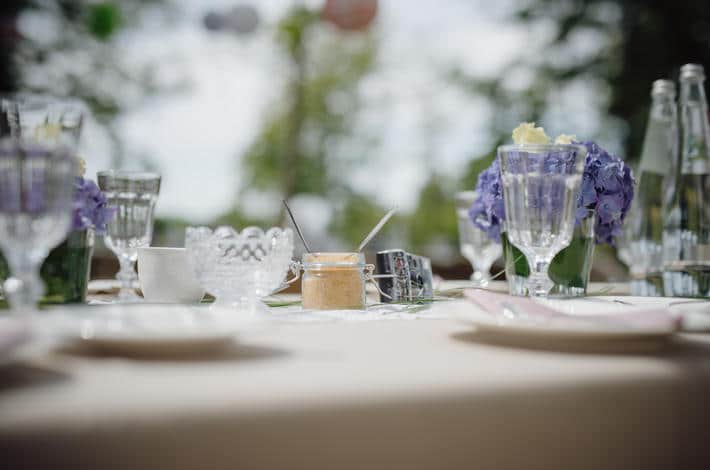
[
  {"x": 663, "y": 87},
  {"x": 692, "y": 72}
]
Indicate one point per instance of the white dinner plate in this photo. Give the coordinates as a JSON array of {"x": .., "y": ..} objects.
[
  {"x": 14, "y": 333},
  {"x": 144, "y": 328},
  {"x": 598, "y": 319}
]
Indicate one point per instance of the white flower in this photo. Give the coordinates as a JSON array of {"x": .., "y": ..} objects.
[
  {"x": 564, "y": 139},
  {"x": 48, "y": 132},
  {"x": 526, "y": 134},
  {"x": 80, "y": 167}
]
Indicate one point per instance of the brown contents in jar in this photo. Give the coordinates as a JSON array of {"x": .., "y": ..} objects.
[{"x": 333, "y": 281}]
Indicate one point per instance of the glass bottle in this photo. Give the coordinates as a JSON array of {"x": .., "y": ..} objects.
[
  {"x": 655, "y": 188},
  {"x": 686, "y": 233}
]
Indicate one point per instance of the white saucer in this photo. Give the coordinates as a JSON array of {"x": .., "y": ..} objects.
[{"x": 145, "y": 328}]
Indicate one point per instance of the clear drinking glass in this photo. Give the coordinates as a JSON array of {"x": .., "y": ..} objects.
[
  {"x": 134, "y": 195},
  {"x": 36, "y": 187},
  {"x": 540, "y": 188},
  {"x": 474, "y": 243}
]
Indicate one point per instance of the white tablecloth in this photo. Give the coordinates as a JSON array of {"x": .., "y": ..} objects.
[{"x": 410, "y": 394}]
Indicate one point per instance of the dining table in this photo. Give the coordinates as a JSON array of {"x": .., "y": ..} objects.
[{"x": 421, "y": 391}]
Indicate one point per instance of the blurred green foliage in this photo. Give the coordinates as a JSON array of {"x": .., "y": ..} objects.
[
  {"x": 355, "y": 218},
  {"x": 103, "y": 19},
  {"x": 305, "y": 144},
  {"x": 82, "y": 61},
  {"x": 641, "y": 41},
  {"x": 297, "y": 150},
  {"x": 434, "y": 219},
  {"x": 475, "y": 166}
]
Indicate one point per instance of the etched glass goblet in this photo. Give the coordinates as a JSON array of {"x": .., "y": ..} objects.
[
  {"x": 474, "y": 243},
  {"x": 36, "y": 187},
  {"x": 541, "y": 185},
  {"x": 239, "y": 268},
  {"x": 133, "y": 195}
]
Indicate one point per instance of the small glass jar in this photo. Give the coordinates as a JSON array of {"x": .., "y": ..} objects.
[{"x": 334, "y": 281}]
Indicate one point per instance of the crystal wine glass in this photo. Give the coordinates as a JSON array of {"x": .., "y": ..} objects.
[
  {"x": 474, "y": 243},
  {"x": 42, "y": 117},
  {"x": 540, "y": 188},
  {"x": 134, "y": 195},
  {"x": 36, "y": 187}
]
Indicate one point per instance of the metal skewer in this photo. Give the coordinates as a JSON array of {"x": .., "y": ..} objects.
[
  {"x": 377, "y": 228},
  {"x": 295, "y": 225}
]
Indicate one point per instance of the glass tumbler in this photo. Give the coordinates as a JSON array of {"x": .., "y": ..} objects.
[
  {"x": 541, "y": 185},
  {"x": 133, "y": 195}
]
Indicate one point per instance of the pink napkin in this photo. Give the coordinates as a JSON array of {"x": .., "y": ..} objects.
[{"x": 526, "y": 309}]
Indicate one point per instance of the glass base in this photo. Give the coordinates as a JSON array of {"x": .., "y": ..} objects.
[
  {"x": 128, "y": 296},
  {"x": 22, "y": 296},
  {"x": 567, "y": 291},
  {"x": 479, "y": 280},
  {"x": 647, "y": 287},
  {"x": 517, "y": 285},
  {"x": 692, "y": 282},
  {"x": 244, "y": 305}
]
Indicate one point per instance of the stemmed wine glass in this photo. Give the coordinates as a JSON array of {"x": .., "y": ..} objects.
[
  {"x": 474, "y": 243},
  {"x": 36, "y": 187},
  {"x": 540, "y": 188},
  {"x": 134, "y": 195},
  {"x": 41, "y": 118}
]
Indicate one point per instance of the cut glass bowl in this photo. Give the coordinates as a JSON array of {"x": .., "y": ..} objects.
[{"x": 239, "y": 268}]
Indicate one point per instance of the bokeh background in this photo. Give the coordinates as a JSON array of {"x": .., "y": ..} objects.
[{"x": 344, "y": 107}]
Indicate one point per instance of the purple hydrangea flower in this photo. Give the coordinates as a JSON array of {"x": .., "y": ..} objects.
[
  {"x": 90, "y": 207},
  {"x": 488, "y": 211},
  {"x": 607, "y": 186}
]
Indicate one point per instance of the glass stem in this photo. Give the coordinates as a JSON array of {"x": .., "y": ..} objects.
[
  {"x": 25, "y": 287},
  {"x": 539, "y": 283},
  {"x": 127, "y": 276},
  {"x": 481, "y": 276}
]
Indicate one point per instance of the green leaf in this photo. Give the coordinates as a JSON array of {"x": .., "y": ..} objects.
[
  {"x": 515, "y": 260},
  {"x": 571, "y": 265}
]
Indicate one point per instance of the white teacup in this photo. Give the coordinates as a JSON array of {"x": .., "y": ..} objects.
[{"x": 165, "y": 276}]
